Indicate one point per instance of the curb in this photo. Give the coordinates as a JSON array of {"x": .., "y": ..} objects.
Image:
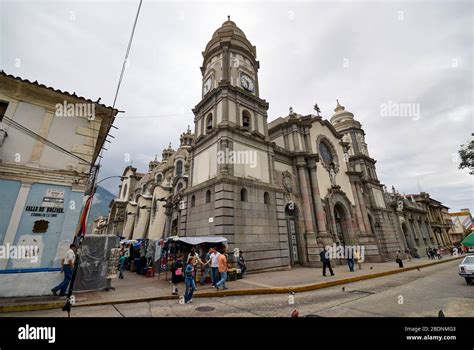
[{"x": 216, "y": 294}]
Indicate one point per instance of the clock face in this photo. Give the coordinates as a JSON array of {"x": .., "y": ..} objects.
[
  {"x": 247, "y": 83},
  {"x": 206, "y": 86}
]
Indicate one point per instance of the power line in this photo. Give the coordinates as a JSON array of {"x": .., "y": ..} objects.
[
  {"x": 123, "y": 69},
  {"x": 42, "y": 139},
  {"x": 127, "y": 53}
]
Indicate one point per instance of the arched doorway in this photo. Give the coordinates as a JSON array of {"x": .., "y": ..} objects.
[
  {"x": 341, "y": 219},
  {"x": 291, "y": 213}
]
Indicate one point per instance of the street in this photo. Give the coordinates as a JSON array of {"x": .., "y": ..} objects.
[{"x": 414, "y": 293}]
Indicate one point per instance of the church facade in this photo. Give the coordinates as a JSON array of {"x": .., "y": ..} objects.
[{"x": 279, "y": 191}]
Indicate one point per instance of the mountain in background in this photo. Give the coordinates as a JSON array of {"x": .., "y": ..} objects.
[{"x": 100, "y": 206}]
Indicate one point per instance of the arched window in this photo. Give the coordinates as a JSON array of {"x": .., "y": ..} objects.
[
  {"x": 208, "y": 196},
  {"x": 124, "y": 193},
  {"x": 193, "y": 201},
  {"x": 209, "y": 122},
  {"x": 243, "y": 195},
  {"x": 179, "y": 168},
  {"x": 143, "y": 188},
  {"x": 326, "y": 152},
  {"x": 246, "y": 119},
  {"x": 179, "y": 188},
  {"x": 266, "y": 198},
  {"x": 159, "y": 178}
]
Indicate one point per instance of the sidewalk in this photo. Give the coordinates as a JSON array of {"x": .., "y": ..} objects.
[{"x": 135, "y": 288}]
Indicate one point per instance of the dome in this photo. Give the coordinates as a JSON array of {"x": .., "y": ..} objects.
[
  {"x": 229, "y": 35},
  {"x": 341, "y": 114},
  {"x": 228, "y": 28}
]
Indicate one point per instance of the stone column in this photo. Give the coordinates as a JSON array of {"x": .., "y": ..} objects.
[
  {"x": 226, "y": 63},
  {"x": 306, "y": 197},
  {"x": 308, "y": 242},
  {"x": 359, "y": 219},
  {"x": 318, "y": 205},
  {"x": 363, "y": 209}
]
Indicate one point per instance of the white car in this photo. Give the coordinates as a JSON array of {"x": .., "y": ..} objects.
[{"x": 466, "y": 268}]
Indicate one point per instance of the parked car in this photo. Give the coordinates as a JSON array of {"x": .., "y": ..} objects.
[{"x": 466, "y": 268}]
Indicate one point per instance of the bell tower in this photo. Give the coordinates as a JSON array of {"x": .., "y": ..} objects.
[
  {"x": 232, "y": 191},
  {"x": 378, "y": 223},
  {"x": 231, "y": 116}
]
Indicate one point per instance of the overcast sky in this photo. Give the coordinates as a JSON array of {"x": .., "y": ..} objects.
[{"x": 366, "y": 54}]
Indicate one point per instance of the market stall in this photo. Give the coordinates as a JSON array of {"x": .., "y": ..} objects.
[
  {"x": 141, "y": 255},
  {"x": 171, "y": 247}
]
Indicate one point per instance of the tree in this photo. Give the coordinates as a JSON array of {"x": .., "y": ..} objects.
[{"x": 467, "y": 157}]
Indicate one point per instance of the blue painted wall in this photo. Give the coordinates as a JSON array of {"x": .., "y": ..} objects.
[
  {"x": 61, "y": 227},
  {"x": 8, "y": 193},
  {"x": 71, "y": 220}
]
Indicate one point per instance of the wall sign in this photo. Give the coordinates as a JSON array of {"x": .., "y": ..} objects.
[{"x": 51, "y": 206}]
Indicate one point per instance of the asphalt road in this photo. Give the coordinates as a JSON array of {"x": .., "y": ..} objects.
[{"x": 408, "y": 294}]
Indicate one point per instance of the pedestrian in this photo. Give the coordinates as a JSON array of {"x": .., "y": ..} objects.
[
  {"x": 214, "y": 266},
  {"x": 207, "y": 267},
  {"x": 122, "y": 263},
  {"x": 127, "y": 256},
  {"x": 358, "y": 258},
  {"x": 427, "y": 251},
  {"x": 67, "y": 266},
  {"x": 177, "y": 274},
  {"x": 223, "y": 267},
  {"x": 130, "y": 256},
  {"x": 241, "y": 263},
  {"x": 143, "y": 262},
  {"x": 189, "y": 280},
  {"x": 408, "y": 252},
  {"x": 432, "y": 253},
  {"x": 195, "y": 256},
  {"x": 350, "y": 260},
  {"x": 326, "y": 261},
  {"x": 398, "y": 259}
]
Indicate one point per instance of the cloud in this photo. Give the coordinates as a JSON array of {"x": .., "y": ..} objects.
[{"x": 402, "y": 52}]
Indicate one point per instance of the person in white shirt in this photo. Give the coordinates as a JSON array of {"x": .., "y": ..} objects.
[
  {"x": 193, "y": 254},
  {"x": 67, "y": 266},
  {"x": 214, "y": 266}
]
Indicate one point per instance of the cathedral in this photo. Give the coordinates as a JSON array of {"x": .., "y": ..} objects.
[{"x": 290, "y": 186}]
